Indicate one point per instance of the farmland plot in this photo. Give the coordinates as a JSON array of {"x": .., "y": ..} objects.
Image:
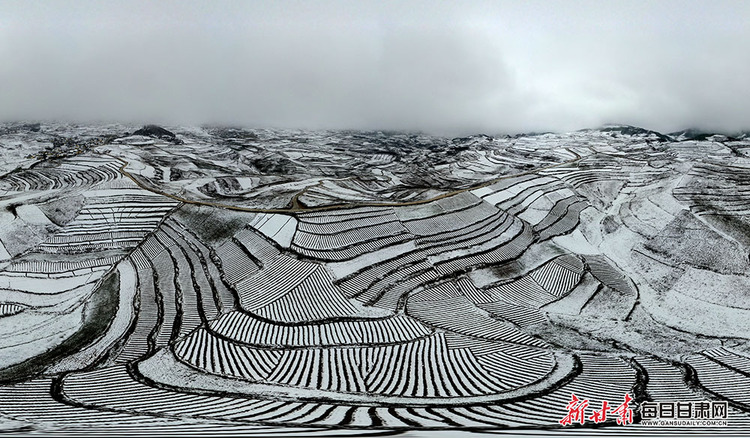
[{"x": 277, "y": 283}]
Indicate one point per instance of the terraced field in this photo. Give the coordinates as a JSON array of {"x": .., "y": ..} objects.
[{"x": 324, "y": 283}]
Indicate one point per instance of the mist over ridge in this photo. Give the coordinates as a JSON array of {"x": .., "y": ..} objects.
[{"x": 454, "y": 68}]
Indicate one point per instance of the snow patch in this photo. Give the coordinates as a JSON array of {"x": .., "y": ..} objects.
[{"x": 278, "y": 227}]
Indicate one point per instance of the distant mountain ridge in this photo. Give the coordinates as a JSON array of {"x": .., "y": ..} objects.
[
  {"x": 699, "y": 134},
  {"x": 635, "y": 131},
  {"x": 408, "y": 138}
]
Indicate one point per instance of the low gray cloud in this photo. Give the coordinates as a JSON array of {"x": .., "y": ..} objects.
[{"x": 437, "y": 66}]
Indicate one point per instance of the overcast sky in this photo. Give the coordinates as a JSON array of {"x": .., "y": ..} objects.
[{"x": 462, "y": 66}]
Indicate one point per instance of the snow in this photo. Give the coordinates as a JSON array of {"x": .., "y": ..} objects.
[
  {"x": 277, "y": 227},
  {"x": 576, "y": 243},
  {"x": 46, "y": 285},
  {"x": 342, "y": 269},
  {"x": 3, "y": 252},
  {"x": 96, "y": 193},
  {"x": 51, "y": 303},
  {"x": 33, "y": 332},
  {"x": 686, "y": 313},
  {"x": 537, "y": 210},
  {"x": 32, "y": 215},
  {"x": 489, "y": 244},
  {"x": 136, "y": 140},
  {"x": 247, "y": 183},
  {"x": 163, "y": 368},
  {"x": 572, "y": 303},
  {"x": 715, "y": 288},
  {"x": 117, "y": 328},
  {"x": 642, "y": 218}
]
